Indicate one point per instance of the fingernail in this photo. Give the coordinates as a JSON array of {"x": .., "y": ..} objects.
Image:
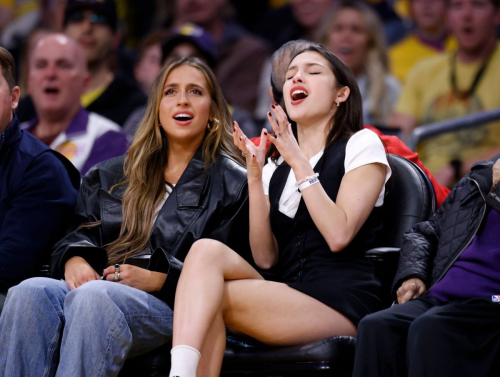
[
  {"x": 253, "y": 155},
  {"x": 276, "y": 104},
  {"x": 265, "y": 133},
  {"x": 269, "y": 113},
  {"x": 234, "y": 129},
  {"x": 272, "y": 106},
  {"x": 240, "y": 138}
]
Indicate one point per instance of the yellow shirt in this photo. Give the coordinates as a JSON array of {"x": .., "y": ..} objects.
[
  {"x": 90, "y": 96},
  {"x": 19, "y": 7},
  {"x": 428, "y": 96},
  {"x": 404, "y": 54}
]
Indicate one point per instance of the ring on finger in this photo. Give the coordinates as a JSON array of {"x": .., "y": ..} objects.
[
  {"x": 245, "y": 154},
  {"x": 117, "y": 272}
]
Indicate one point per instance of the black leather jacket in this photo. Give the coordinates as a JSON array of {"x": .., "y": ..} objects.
[
  {"x": 205, "y": 203},
  {"x": 431, "y": 247}
]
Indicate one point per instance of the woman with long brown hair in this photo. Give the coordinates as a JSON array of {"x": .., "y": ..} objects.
[
  {"x": 354, "y": 32},
  {"x": 182, "y": 180},
  {"x": 315, "y": 208}
]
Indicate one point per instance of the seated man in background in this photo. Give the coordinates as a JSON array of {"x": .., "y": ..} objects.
[
  {"x": 454, "y": 328},
  {"x": 280, "y": 61},
  {"x": 57, "y": 77},
  {"x": 453, "y": 85},
  {"x": 38, "y": 189}
]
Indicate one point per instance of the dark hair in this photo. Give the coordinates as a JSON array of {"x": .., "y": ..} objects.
[
  {"x": 8, "y": 67},
  {"x": 348, "y": 119}
]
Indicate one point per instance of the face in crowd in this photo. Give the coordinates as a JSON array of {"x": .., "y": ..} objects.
[
  {"x": 349, "y": 38},
  {"x": 93, "y": 33},
  {"x": 473, "y": 22},
  {"x": 428, "y": 14},
  {"x": 309, "y": 13},
  {"x": 200, "y": 12},
  {"x": 57, "y": 75},
  {"x": 185, "y": 106}
]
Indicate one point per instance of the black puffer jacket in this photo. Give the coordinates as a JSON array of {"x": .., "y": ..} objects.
[{"x": 431, "y": 247}]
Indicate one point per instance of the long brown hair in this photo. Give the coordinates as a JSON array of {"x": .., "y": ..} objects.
[
  {"x": 376, "y": 65},
  {"x": 348, "y": 119},
  {"x": 148, "y": 156}
]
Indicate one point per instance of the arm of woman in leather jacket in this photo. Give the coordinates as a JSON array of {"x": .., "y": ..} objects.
[{"x": 82, "y": 241}]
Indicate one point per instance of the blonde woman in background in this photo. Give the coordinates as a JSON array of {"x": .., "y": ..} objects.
[
  {"x": 181, "y": 180},
  {"x": 355, "y": 34}
]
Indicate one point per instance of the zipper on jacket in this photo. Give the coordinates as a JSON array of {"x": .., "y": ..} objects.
[{"x": 468, "y": 243}]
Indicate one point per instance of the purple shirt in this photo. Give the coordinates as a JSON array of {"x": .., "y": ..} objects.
[
  {"x": 88, "y": 139},
  {"x": 476, "y": 272}
]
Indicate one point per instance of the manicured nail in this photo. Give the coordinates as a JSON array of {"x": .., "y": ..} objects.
[
  {"x": 240, "y": 138},
  {"x": 272, "y": 106},
  {"x": 276, "y": 104},
  {"x": 265, "y": 133},
  {"x": 268, "y": 113},
  {"x": 253, "y": 155}
]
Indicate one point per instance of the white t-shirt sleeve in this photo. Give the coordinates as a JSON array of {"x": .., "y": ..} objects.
[{"x": 365, "y": 147}]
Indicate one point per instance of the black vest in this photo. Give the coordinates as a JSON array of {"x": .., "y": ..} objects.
[{"x": 302, "y": 248}]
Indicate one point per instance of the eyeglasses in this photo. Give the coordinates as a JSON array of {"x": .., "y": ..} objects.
[{"x": 94, "y": 18}]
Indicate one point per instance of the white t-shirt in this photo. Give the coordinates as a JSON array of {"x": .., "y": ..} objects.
[{"x": 364, "y": 147}]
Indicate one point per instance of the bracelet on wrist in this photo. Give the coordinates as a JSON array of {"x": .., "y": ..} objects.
[
  {"x": 308, "y": 178},
  {"x": 308, "y": 183}
]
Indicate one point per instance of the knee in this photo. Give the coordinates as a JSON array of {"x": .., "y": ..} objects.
[
  {"x": 91, "y": 297},
  {"x": 33, "y": 289},
  {"x": 424, "y": 330},
  {"x": 374, "y": 325},
  {"x": 205, "y": 252}
]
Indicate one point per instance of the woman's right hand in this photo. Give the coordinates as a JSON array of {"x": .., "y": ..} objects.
[
  {"x": 78, "y": 272},
  {"x": 255, "y": 156}
]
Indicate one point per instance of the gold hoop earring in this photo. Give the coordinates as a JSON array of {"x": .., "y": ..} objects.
[{"x": 210, "y": 124}]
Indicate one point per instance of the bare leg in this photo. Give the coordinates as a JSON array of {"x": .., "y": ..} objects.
[{"x": 217, "y": 283}]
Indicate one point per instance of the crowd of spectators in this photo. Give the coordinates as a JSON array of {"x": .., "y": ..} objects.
[
  {"x": 416, "y": 61},
  {"x": 86, "y": 68}
]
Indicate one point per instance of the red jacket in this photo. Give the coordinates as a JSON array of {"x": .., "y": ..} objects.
[{"x": 394, "y": 145}]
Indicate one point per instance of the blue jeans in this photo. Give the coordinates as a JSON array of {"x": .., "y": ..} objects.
[{"x": 47, "y": 330}]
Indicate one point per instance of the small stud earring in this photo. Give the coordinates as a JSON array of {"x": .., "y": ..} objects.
[{"x": 338, "y": 103}]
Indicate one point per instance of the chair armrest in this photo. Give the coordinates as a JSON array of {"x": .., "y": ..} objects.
[{"x": 382, "y": 253}]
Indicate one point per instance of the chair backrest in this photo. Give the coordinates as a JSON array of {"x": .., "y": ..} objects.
[{"x": 410, "y": 199}]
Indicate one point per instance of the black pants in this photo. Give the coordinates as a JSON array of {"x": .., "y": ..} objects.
[{"x": 428, "y": 337}]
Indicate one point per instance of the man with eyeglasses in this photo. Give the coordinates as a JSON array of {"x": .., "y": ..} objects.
[{"x": 94, "y": 24}]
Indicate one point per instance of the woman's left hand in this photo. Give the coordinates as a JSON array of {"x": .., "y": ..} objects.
[
  {"x": 136, "y": 277},
  {"x": 283, "y": 138}
]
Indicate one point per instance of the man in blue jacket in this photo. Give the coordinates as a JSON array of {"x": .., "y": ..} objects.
[{"x": 38, "y": 190}]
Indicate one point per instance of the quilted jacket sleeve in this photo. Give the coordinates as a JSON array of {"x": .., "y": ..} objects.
[{"x": 420, "y": 245}]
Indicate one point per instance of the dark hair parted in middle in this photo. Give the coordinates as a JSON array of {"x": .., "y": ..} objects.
[{"x": 348, "y": 119}]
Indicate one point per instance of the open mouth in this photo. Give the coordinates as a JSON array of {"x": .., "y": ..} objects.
[
  {"x": 299, "y": 94},
  {"x": 183, "y": 117},
  {"x": 51, "y": 90}
]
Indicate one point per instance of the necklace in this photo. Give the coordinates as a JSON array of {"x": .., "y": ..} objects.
[{"x": 464, "y": 94}]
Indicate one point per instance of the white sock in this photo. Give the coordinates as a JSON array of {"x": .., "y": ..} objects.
[{"x": 185, "y": 361}]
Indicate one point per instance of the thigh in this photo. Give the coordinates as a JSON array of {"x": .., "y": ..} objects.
[
  {"x": 149, "y": 318},
  {"x": 278, "y": 315}
]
